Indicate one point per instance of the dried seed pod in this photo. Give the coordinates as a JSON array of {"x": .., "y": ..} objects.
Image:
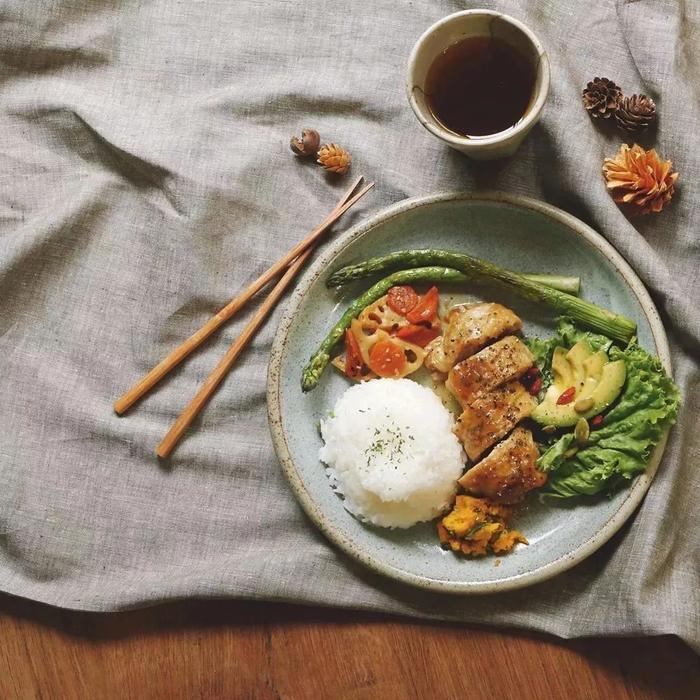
[
  {"x": 334, "y": 158},
  {"x": 638, "y": 177},
  {"x": 307, "y": 145},
  {"x": 635, "y": 113},
  {"x": 581, "y": 432},
  {"x": 601, "y": 97}
]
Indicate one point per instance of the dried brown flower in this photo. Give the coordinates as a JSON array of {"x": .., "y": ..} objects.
[
  {"x": 334, "y": 158},
  {"x": 307, "y": 145},
  {"x": 635, "y": 113},
  {"x": 600, "y": 97},
  {"x": 640, "y": 178}
]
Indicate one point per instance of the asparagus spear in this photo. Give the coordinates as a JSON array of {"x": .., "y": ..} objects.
[
  {"x": 404, "y": 259},
  {"x": 613, "y": 325},
  {"x": 595, "y": 317},
  {"x": 564, "y": 283},
  {"x": 320, "y": 359}
]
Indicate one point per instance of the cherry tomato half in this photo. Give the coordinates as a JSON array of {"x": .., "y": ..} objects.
[{"x": 401, "y": 299}]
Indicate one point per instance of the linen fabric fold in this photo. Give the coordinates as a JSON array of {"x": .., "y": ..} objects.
[{"x": 146, "y": 178}]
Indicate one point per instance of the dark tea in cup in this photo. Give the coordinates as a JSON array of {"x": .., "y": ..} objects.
[{"x": 480, "y": 85}]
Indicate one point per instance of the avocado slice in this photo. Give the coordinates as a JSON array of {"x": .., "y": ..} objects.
[
  {"x": 576, "y": 357},
  {"x": 593, "y": 365},
  {"x": 561, "y": 368},
  {"x": 602, "y": 382}
]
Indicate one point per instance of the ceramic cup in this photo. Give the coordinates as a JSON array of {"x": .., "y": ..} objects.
[{"x": 474, "y": 23}]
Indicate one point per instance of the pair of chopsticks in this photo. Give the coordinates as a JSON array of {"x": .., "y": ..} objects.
[{"x": 293, "y": 261}]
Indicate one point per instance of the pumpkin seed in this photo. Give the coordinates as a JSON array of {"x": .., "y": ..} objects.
[
  {"x": 581, "y": 432},
  {"x": 549, "y": 429},
  {"x": 570, "y": 452},
  {"x": 583, "y": 405}
]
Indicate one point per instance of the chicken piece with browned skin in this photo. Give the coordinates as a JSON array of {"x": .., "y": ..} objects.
[
  {"x": 470, "y": 328},
  {"x": 496, "y": 364},
  {"x": 489, "y": 418},
  {"x": 509, "y": 472}
]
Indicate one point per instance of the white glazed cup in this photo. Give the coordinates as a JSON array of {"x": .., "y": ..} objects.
[{"x": 474, "y": 23}]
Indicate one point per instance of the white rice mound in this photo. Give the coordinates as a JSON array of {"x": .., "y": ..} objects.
[{"x": 391, "y": 453}]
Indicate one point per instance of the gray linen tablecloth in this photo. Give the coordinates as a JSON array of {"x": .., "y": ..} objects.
[{"x": 146, "y": 177}]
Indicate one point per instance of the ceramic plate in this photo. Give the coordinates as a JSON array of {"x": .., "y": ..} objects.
[{"x": 515, "y": 232}]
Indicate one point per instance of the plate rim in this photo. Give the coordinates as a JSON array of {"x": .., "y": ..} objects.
[{"x": 344, "y": 542}]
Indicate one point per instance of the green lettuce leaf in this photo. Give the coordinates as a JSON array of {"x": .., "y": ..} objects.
[
  {"x": 567, "y": 335},
  {"x": 553, "y": 457},
  {"x": 542, "y": 351},
  {"x": 619, "y": 450}
]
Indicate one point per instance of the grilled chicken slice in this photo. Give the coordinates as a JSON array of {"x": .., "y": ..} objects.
[
  {"x": 508, "y": 472},
  {"x": 492, "y": 416},
  {"x": 470, "y": 328},
  {"x": 494, "y": 365}
]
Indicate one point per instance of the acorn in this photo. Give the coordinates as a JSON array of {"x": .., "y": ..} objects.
[{"x": 307, "y": 145}]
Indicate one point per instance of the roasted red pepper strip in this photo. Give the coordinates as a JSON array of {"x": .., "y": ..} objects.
[
  {"x": 418, "y": 334},
  {"x": 566, "y": 396},
  {"x": 402, "y": 299},
  {"x": 426, "y": 308},
  {"x": 353, "y": 356}
]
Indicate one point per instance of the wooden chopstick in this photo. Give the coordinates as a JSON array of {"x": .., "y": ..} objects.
[
  {"x": 221, "y": 370},
  {"x": 147, "y": 382}
]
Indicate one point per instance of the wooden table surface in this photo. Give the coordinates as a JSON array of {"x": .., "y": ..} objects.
[{"x": 226, "y": 649}]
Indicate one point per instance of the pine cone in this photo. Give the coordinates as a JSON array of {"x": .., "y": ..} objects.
[
  {"x": 640, "y": 178},
  {"x": 600, "y": 97},
  {"x": 334, "y": 158},
  {"x": 635, "y": 113}
]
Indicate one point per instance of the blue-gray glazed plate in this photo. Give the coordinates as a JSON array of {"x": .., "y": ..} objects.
[{"x": 512, "y": 231}]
